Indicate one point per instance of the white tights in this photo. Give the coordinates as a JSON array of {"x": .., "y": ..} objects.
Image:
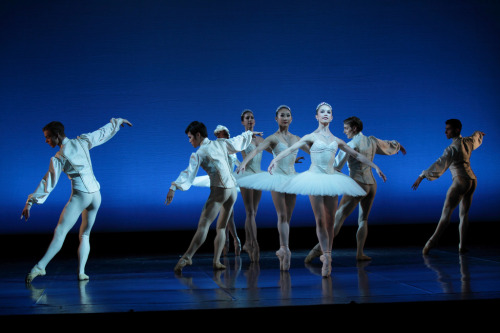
[{"x": 86, "y": 204}]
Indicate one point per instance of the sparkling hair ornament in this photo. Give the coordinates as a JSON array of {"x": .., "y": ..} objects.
[
  {"x": 283, "y": 107},
  {"x": 321, "y": 104}
]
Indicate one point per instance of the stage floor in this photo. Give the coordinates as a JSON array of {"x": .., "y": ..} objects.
[{"x": 148, "y": 285}]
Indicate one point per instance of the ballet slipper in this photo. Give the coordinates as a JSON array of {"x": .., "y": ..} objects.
[
  {"x": 183, "y": 261},
  {"x": 284, "y": 256},
  {"x": 314, "y": 253},
  {"x": 218, "y": 266},
  {"x": 326, "y": 259},
  {"x": 83, "y": 277},
  {"x": 35, "y": 271}
]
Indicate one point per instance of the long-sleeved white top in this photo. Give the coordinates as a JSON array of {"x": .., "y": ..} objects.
[
  {"x": 368, "y": 146},
  {"x": 73, "y": 159},
  {"x": 212, "y": 156},
  {"x": 456, "y": 157}
]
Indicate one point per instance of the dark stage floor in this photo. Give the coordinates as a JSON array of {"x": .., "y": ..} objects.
[{"x": 398, "y": 281}]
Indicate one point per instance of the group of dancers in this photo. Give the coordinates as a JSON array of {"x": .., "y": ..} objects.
[{"x": 322, "y": 182}]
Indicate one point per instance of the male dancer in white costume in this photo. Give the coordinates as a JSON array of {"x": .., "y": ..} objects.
[
  {"x": 212, "y": 156},
  {"x": 73, "y": 158},
  {"x": 363, "y": 175},
  {"x": 456, "y": 157}
]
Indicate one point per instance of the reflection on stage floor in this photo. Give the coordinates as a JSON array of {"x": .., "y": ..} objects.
[{"x": 147, "y": 284}]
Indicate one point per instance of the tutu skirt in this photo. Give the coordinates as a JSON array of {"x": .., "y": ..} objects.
[
  {"x": 324, "y": 184},
  {"x": 263, "y": 181}
]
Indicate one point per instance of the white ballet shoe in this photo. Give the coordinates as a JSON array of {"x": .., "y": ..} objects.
[
  {"x": 35, "y": 271},
  {"x": 314, "y": 253},
  {"x": 326, "y": 259},
  {"x": 284, "y": 257},
  {"x": 183, "y": 262}
]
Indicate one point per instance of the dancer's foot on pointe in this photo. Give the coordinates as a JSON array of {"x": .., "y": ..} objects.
[
  {"x": 284, "y": 256},
  {"x": 326, "y": 259},
  {"x": 183, "y": 261},
  {"x": 218, "y": 266},
  {"x": 35, "y": 271},
  {"x": 83, "y": 277},
  {"x": 314, "y": 253}
]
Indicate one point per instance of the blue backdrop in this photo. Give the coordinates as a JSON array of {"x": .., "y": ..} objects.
[{"x": 403, "y": 67}]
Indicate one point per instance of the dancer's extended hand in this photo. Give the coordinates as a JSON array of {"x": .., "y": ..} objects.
[
  {"x": 257, "y": 133},
  {"x": 240, "y": 168},
  {"x": 381, "y": 174},
  {"x": 125, "y": 121},
  {"x": 26, "y": 212},
  {"x": 402, "y": 149},
  {"x": 170, "y": 197},
  {"x": 416, "y": 183},
  {"x": 297, "y": 160},
  {"x": 271, "y": 167}
]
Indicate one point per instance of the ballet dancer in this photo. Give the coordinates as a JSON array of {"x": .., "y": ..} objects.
[
  {"x": 222, "y": 132},
  {"x": 456, "y": 157},
  {"x": 251, "y": 197},
  {"x": 322, "y": 183},
  {"x": 73, "y": 159},
  {"x": 362, "y": 174},
  {"x": 284, "y": 203},
  {"x": 212, "y": 156}
]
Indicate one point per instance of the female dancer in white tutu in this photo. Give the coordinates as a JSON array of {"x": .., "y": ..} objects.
[
  {"x": 284, "y": 203},
  {"x": 222, "y": 133},
  {"x": 251, "y": 197},
  {"x": 321, "y": 182}
]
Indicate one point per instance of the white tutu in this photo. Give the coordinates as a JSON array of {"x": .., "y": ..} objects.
[
  {"x": 263, "y": 181},
  {"x": 324, "y": 184}
]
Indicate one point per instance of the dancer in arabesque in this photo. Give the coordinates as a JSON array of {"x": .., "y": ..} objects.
[
  {"x": 322, "y": 183},
  {"x": 73, "y": 158},
  {"x": 368, "y": 146}
]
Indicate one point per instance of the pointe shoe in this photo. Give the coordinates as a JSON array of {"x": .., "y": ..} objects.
[
  {"x": 35, "y": 271},
  {"x": 83, "y": 277},
  {"x": 314, "y": 253},
  {"x": 326, "y": 259},
  {"x": 183, "y": 261},
  {"x": 284, "y": 257}
]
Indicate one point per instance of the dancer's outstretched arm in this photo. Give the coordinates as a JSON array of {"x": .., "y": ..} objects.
[
  {"x": 306, "y": 140},
  {"x": 361, "y": 158}
]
